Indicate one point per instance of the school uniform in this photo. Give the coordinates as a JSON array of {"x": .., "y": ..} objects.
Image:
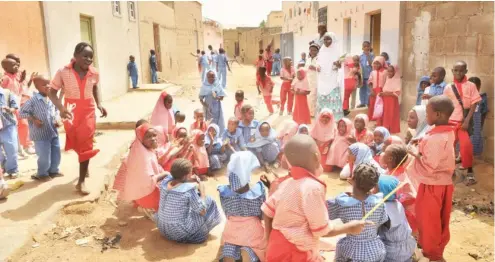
[
  {"x": 248, "y": 131},
  {"x": 12, "y": 83},
  {"x": 378, "y": 79},
  {"x": 469, "y": 96},
  {"x": 237, "y": 110},
  {"x": 133, "y": 73},
  {"x": 46, "y": 140},
  {"x": 266, "y": 88},
  {"x": 434, "y": 170},
  {"x": 236, "y": 140},
  {"x": 478, "y": 117},
  {"x": 154, "y": 69},
  {"x": 277, "y": 59},
  {"x": 179, "y": 219},
  {"x": 215, "y": 156},
  {"x": 365, "y": 246},
  {"x": 8, "y": 133},
  {"x": 364, "y": 92},
  {"x": 222, "y": 69},
  {"x": 268, "y": 146},
  {"x": 285, "y": 93}
]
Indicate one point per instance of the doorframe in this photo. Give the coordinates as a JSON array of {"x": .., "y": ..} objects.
[{"x": 92, "y": 32}]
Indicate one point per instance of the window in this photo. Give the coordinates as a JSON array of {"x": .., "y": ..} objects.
[
  {"x": 290, "y": 13},
  {"x": 131, "y": 6},
  {"x": 116, "y": 8},
  {"x": 322, "y": 15}
]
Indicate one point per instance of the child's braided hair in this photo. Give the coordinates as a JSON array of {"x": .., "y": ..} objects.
[
  {"x": 397, "y": 152},
  {"x": 365, "y": 177}
]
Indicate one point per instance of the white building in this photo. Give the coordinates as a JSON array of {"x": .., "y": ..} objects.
[{"x": 110, "y": 27}]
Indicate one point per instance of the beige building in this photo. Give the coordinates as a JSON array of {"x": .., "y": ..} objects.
[
  {"x": 275, "y": 19},
  {"x": 157, "y": 31},
  {"x": 110, "y": 27},
  {"x": 440, "y": 33},
  {"x": 212, "y": 34},
  {"x": 23, "y": 34},
  {"x": 231, "y": 41},
  {"x": 189, "y": 31}
]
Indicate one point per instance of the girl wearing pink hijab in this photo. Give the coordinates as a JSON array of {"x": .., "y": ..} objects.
[
  {"x": 163, "y": 114},
  {"x": 301, "y": 90},
  {"x": 376, "y": 82},
  {"x": 361, "y": 133},
  {"x": 337, "y": 154},
  {"x": 390, "y": 96},
  {"x": 143, "y": 171},
  {"x": 323, "y": 132}
]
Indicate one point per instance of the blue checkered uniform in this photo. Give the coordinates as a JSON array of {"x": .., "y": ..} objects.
[
  {"x": 179, "y": 217},
  {"x": 367, "y": 246}
]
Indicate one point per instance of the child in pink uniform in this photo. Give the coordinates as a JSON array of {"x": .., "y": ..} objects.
[
  {"x": 337, "y": 154},
  {"x": 361, "y": 133},
  {"x": 287, "y": 75},
  {"x": 239, "y": 98},
  {"x": 265, "y": 87},
  {"x": 301, "y": 92},
  {"x": 376, "y": 82},
  {"x": 433, "y": 165}
]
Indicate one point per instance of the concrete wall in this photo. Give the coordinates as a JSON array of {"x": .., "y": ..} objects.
[
  {"x": 158, "y": 13},
  {"x": 188, "y": 20},
  {"x": 304, "y": 23},
  {"x": 275, "y": 19},
  {"x": 115, "y": 38},
  {"x": 213, "y": 35},
  {"x": 23, "y": 34},
  {"x": 439, "y": 34},
  {"x": 249, "y": 41}
]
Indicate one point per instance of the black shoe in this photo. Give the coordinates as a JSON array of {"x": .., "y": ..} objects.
[
  {"x": 361, "y": 106},
  {"x": 346, "y": 112}
]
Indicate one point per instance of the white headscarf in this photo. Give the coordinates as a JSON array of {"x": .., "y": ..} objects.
[
  {"x": 329, "y": 78},
  {"x": 422, "y": 126},
  {"x": 241, "y": 164}
]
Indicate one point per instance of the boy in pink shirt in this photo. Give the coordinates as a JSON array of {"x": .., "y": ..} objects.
[
  {"x": 465, "y": 97},
  {"x": 296, "y": 214},
  {"x": 433, "y": 165}
]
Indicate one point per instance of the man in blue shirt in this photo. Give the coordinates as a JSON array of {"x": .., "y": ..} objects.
[
  {"x": 153, "y": 67},
  {"x": 366, "y": 62}
]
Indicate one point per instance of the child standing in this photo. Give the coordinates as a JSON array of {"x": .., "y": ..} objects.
[
  {"x": 390, "y": 96},
  {"x": 221, "y": 66},
  {"x": 338, "y": 151},
  {"x": 361, "y": 133},
  {"x": 395, "y": 233},
  {"x": 199, "y": 120},
  {"x": 259, "y": 63},
  {"x": 352, "y": 74},
  {"x": 153, "y": 67},
  {"x": 242, "y": 203},
  {"x": 433, "y": 165},
  {"x": 132, "y": 71},
  {"x": 239, "y": 98},
  {"x": 478, "y": 119},
  {"x": 301, "y": 92},
  {"x": 365, "y": 61},
  {"x": 265, "y": 144},
  {"x": 296, "y": 215},
  {"x": 437, "y": 84},
  {"x": 287, "y": 75},
  {"x": 186, "y": 214},
  {"x": 366, "y": 246},
  {"x": 233, "y": 137},
  {"x": 323, "y": 132},
  {"x": 465, "y": 97},
  {"x": 376, "y": 83},
  {"x": 265, "y": 87},
  {"x": 215, "y": 147},
  {"x": 43, "y": 123},
  {"x": 277, "y": 59}
]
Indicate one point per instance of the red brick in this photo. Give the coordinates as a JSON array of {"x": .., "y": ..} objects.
[
  {"x": 481, "y": 24},
  {"x": 437, "y": 28},
  {"x": 468, "y": 8},
  {"x": 456, "y": 27},
  {"x": 446, "y": 10},
  {"x": 467, "y": 45},
  {"x": 486, "y": 45}
]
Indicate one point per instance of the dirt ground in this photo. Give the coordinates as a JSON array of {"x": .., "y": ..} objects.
[{"x": 84, "y": 232}]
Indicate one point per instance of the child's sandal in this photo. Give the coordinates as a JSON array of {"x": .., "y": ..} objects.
[{"x": 470, "y": 180}]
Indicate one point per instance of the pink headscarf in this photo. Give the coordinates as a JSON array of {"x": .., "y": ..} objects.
[
  {"x": 302, "y": 84},
  {"x": 288, "y": 130},
  {"x": 394, "y": 84},
  {"x": 338, "y": 151},
  {"x": 142, "y": 168},
  {"x": 162, "y": 116},
  {"x": 200, "y": 151},
  {"x": 321, "y": 132},
  {"x": 393, "y": 140}
]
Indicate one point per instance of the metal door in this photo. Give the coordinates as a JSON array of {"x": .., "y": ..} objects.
[{"x": 287, "y": 45}]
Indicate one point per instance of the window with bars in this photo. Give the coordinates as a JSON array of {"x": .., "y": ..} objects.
[
  {"x": 116, "y": 10},
  {"x": 132, "y": 10},
  {"x": 322, "y": 15}
]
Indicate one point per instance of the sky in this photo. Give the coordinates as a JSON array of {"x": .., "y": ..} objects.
[{"x": 233, "y": 13}]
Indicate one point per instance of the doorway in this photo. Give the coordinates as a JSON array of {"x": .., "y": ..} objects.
[
  {"x": 347, "y": 35},
  {"x": 156, "y": 40},
  {"x": 87, "y": 34},
  {"x": 375, "y": 32}
]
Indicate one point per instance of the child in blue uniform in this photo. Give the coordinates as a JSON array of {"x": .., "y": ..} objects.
[{"x": 132, "y": 71}]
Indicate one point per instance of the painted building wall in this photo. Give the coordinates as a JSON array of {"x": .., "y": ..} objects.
[
  {"x": 275, "y": 19},
  {"x": 304, "y": 22},
  {"x": 213, "y": 35},
  {"x": 250, "y": 42},
  {"x": 23, "y": 34},
  {"x": 115, "y": 38},
  {"x": 162, "y": 15},
  {"x": 189, "y": 31},
  {"x": 439, "y": 34}
]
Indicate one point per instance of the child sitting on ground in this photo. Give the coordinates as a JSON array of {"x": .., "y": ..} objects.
[
  {"x": 433, "y": 165},
  {"x": 303, "y": 130},
  {"x": 288, "y": 130},
  {"x": 395, "y": 233},
  {"x": 180, "y": 148},
  {"x": 215, "y": 147},
  {"x": 241, "y": 203},
  {"x": 379, "y": 136},
  {"x": 233, "y": 138},
  {"x": 338, "y": 151},
  {"x": 366, "y": 246},
  {"x": 199, "y": 158},
  {"x": 199, "y": 120},
  {"x": 179, "y": 117},
  {"x": 43, "y": 120},
  {"x": 323, "y": 132},
  {"x": 361, "y": 133},
  {"x": 239, "y": 98},
  {"x": 265, "y": 145},
  {"x": 186, "y": 214},
  {"x": 299, "y": 204}
]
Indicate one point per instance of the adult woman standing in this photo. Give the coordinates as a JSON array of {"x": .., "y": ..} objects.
[
  {"x": 330, "y": 77},
  {"x": 79, "y": 82}
]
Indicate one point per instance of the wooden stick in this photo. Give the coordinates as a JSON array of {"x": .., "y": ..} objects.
[{"x": 389, "y": 194}]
